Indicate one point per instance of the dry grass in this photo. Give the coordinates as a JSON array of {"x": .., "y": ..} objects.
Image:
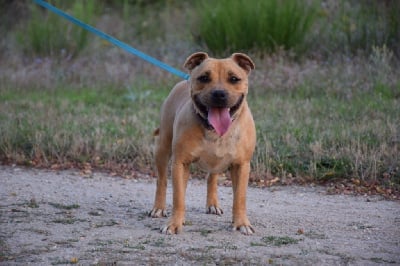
[{"x": 317, "y": 119}]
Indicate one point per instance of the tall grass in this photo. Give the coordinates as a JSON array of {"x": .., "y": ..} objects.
[
  {"x": 233, "y": 25},
  {"x": 48, "y": 34},
  {"x": 352, "y": 26},
  {"x": 319, "y": 120}
]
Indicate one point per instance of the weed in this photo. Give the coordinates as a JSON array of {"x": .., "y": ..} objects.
[
  {"x": 47, "y": 34},
  {"x": 95, "y": 213},
  {"x": 279, "y": 241},
  {"x": 101, "y": 242},
  {"x": 316, "y": 119},
  {"x": 64, "y": 207},
  {"x": 160, "y": 242},
  {"x": 4, "y": 251},
  {"x": 205, "y": 232},
  {"x": 66, "y": 221},
  {"x": 38, "y": 231},
  {"x": 139, "y": 246},
  {"x": 33, "y": 203},
  {"x": 354, "y": 26},
  {"x": 382, "y": 261},
  {"x": 60, "y": 261},
  {"x": 265, "y": 25},
  {"x": 344, "y": 258},
  {"x": 315, "y": 235},
  {"x": 106, "y": 223}
]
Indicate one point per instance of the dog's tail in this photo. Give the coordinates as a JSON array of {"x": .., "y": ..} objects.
[{"x": 156, "y": 132}]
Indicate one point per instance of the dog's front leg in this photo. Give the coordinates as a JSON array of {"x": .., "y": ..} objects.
[
  {"x": 240, "y": 179},
  {"x": 180, "y": 176},
  {"x": 212, "y": 206},
  {"x": 161, "y": 161}
]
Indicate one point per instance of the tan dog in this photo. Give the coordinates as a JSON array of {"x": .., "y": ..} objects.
[{"x": 207, "y": 121}]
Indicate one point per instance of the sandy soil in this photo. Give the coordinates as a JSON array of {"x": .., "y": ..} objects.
[{"x": 55, "y": 218}]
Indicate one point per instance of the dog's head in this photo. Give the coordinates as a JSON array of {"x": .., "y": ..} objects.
[{"x": 218, "y": 87}]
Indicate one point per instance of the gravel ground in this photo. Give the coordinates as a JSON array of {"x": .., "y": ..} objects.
[{"x": 56, "y": 218}]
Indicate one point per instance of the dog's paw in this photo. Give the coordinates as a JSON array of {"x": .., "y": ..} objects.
[
  {"x": 171, "y": 229},
  {"x": 243, "y": 225},
  {"x": 244, "y": 229},
  {"x": 157, "y": 213},
  {"x": 214, "y": 210}
]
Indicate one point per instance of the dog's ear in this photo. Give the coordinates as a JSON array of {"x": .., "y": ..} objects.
[
  {"x": 194, "y": 60},
  {"x": 243, "y": 61}
]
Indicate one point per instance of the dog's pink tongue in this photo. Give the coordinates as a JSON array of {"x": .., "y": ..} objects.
[{"x": 220, "y": 119}]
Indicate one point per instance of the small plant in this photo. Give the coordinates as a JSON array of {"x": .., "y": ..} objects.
[
  {"x": 47, "y": 34},
  {"x": 279, "y": 241},
  {"x": 64, "y": 207},
  {"x": 236, "y": 25},
  {"x": 275, "y": 241},
  {"x": 33, "y": 203}
]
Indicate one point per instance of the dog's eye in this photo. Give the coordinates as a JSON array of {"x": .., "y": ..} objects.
[
  {"x": 234, "y": 79},
  {"x": 204, "y": 79}
]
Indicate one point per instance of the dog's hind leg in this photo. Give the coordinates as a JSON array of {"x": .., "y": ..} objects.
[
  {"x": 162, "y": 156},
  {"x": 212, "y": 195}
]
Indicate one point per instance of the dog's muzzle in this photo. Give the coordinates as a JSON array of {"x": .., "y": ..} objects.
[
  {"x": 217, "y": 114},
  {"x": 219, "y": 99}
]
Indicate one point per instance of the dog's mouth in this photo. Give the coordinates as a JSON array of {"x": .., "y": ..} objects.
[{"x": 219, "y": 118}]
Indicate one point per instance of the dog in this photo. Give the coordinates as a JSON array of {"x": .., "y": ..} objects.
[{"x": 206, "y": 120}]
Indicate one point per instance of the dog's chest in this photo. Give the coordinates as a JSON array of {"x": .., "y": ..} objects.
[{"x": 216, "y": 154}]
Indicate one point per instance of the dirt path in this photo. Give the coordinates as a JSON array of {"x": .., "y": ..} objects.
[{"x": 49, "y": 217}]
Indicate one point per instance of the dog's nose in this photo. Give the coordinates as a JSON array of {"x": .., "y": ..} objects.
[{"x": 219, "y": 95}]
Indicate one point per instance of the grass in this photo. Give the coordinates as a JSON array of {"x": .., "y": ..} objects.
[
  {"x": 64, "y": 207},
  {"x": 328, "y": 137},
  {"x": 227, "y": 26},
  {"x": 67, "y": 220},
  {"x": 359, "y": 26},
  {"x": 304, "y": 131},
  {"x": 318, "y": 119},
  {"x": 48, "y": 35},
  {"x": 338, "y": 121},
  {"x": 48, "y": 130},
  {"x": 275, "y": 241}
]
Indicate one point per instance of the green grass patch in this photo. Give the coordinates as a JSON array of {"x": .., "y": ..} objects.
[
  {"x": 320, "y": 119},
  {"x": 362, "y": 25},
  {"x": 67, "y": 220},
  {"x": 236, "y": 25},
  {"x": 106, "y": 223},
  {"x": 306, "y": 132},
  {"x": 33, "y": 203},
  {"x": 64, "y": 207},
  {"x": 46, "y": 33},
  {"x": 327, "y": 137},
  {"x": 98, "y": 126},
  {"x": 275, "y": 241}
]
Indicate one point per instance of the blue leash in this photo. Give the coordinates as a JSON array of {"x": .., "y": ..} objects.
[{"x": 114, "y": 41}]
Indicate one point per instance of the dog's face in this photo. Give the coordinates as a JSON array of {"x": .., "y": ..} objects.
[{"x": 219, "y": 87}]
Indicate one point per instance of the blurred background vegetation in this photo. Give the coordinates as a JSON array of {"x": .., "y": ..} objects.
[
  {"x": 224, "y": 26},
  {"x": 325, "y": 94}
]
